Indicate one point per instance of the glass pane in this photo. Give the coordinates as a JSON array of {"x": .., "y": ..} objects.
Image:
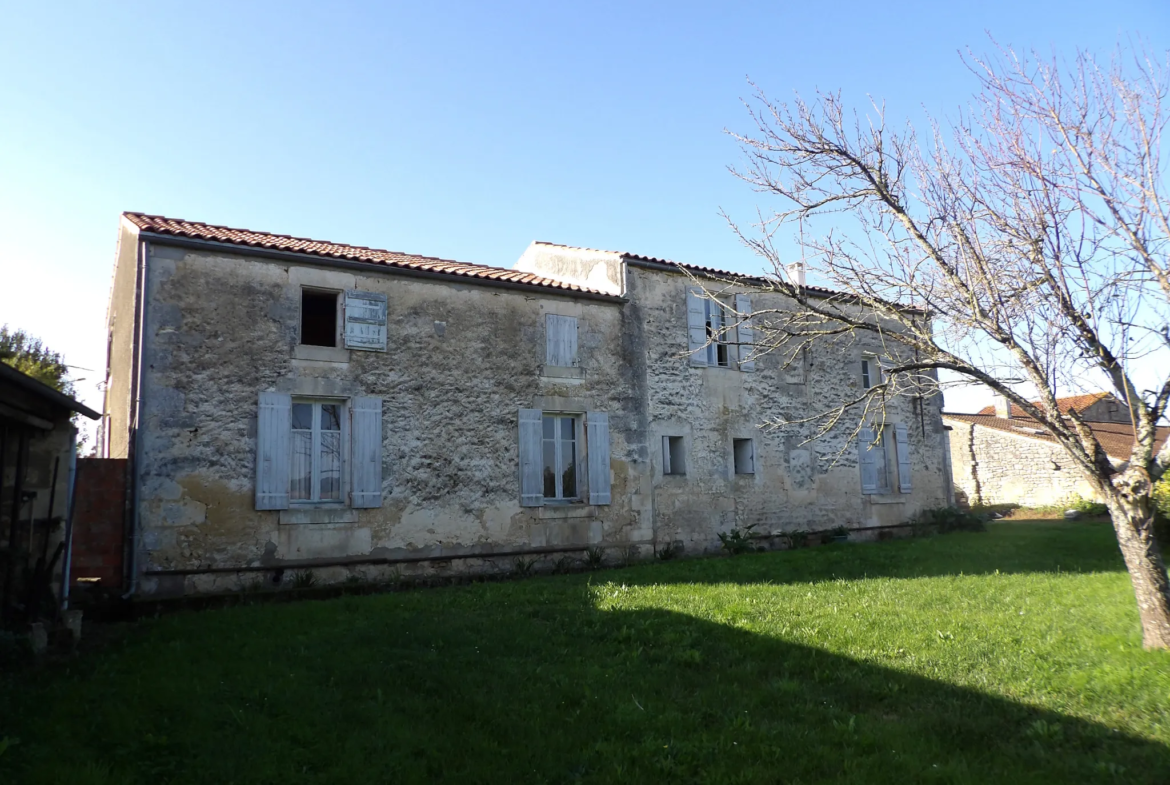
[
  {"x": 302, "y": 416},
  {"x": 550, "y": 468},
  {"x": 879, "y": 463},
  {"x": 301, "y": 479},
  {"x": 330, "y": 417},
  {"x": 569, "y": 473},
  {"x": 330, "y": 465},
  {"x": 567, "y": 434},
  {"x": 550, "y": 427}
]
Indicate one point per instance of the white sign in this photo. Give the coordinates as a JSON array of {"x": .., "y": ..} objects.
[{"x": 365, "y": 321}]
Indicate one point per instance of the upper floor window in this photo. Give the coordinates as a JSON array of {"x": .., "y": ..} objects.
[
  {"x": 718, "y": 351},
  {"x": 560, "y": 340},
  {"x": 871, "y": 372},
  {"x": 717, "y": 335},
  {"x": 318, "y": 317}
]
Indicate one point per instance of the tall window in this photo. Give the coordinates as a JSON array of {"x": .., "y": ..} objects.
[
  {"x": 717, "y": 349},
  {"x": 871, "y": 372},
  {"x": 315, "y": 474},
  {"x": 560, "y": 457}
]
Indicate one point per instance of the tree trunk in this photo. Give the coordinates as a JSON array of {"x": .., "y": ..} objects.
[{"x": 1133, "y": 521}]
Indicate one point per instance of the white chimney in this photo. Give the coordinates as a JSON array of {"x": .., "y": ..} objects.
[
  {"x": 796, "y": 273},
  {"x": 1003, "y": 407}
]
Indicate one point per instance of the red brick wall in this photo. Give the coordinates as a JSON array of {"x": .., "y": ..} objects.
[{"x": 99, "y": 515}]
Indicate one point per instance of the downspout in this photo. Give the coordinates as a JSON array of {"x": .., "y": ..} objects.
[
  {"x": 136, "y": 443},
  {"x": 72, "y": 483}
]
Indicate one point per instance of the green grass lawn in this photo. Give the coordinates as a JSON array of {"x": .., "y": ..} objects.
[{"x": 1007, "y": 657}]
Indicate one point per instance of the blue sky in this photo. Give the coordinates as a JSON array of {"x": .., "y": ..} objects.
[{"x": 462, "y": 130}]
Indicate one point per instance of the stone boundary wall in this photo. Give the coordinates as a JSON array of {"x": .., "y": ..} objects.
[{"x": 995, "y": 467}]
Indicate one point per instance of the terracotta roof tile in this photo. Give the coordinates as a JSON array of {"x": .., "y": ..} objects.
[
  {"x": 1115, "y": 438},
  {"x": 157, "y": 224},
  {"x": 1077, "y": 402}
]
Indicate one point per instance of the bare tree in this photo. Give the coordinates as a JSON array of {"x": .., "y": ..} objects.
[{"x": 1030, "y": 238}]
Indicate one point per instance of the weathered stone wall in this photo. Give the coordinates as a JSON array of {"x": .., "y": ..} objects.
[
  {"x": 120, "y": 324},
  {"x": 462, "y": 360},
  {"x": 996, "y": 467},
  {"x": 798, "y": 483}
]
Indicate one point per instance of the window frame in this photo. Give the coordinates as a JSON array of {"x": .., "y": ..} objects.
[
  {"x": 887, "y": 479},
  {"x": 578, "y": 419},
  {"x": 338, "y": 317},
  {"x": 674, "y": 464},
  {"x": 343, "y": 499},
  {"x": 715, "y": 319},
  {"x": 735, "y": 462}
]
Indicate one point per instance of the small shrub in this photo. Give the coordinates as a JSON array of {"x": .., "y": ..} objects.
[
  {"x": 797, "y": 539},
  {"x": 629, "y": 555},
  {"x": 1086, "y": 507},
  {"x": 564, "y": 564},
  {"x": 522, "y": 567},
  {"x": 737, "y": 540},
  {"x": 669, "y": 551},
  {"x": 946, "y": 519},
  {"x": 304, "y": 579},
  {"x": 594, "y": 557},
  {"x": 837, "y": 531}
]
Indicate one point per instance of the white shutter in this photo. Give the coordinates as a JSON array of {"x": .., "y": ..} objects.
[
  {"x": 666, "y": 455},
  {"x": 560, "y": 340},
  {"x": 743, "y": 333},
  {"x": 696, "y": 325},
  {"x": 865, "y": 459},
  {"x": 531, "y": 478},
  {"x": 273, "y": 428},
  {"x": 365, "y": 438},
  {"x": 597, "y": 442},
  {"x": 902, "y": 445},
  {"x": 365, "y": 321}
]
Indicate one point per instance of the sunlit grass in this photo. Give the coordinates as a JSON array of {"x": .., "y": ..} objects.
[{"x": 1011, "y": 656}]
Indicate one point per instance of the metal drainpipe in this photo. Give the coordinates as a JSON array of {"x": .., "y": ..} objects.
[
  {"x": 69, "y": 521},
  {"x": 136, "y": 485}
]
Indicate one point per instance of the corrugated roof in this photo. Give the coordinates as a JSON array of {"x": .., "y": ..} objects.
[
  {"x": 1116, "y": 438},
  {"x": 175, "y": 227},
  {"x": 1064, "y": 405},
  {"x": 708, "y": 271}
]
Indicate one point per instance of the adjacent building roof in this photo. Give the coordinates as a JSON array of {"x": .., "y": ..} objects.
[
  {"x": 1064, "y": 405},
  {"x": 193, "y": 230},
  {"x": 1115, "y": 438},
  {"x": 693, "y": 268},
  {"x": 42, "y": 392}
]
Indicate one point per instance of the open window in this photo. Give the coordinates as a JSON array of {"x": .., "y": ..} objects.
[
  {"x": 674, "y": 459},
  {"x": 319, "y": 317},
  {"x": 745, "y": 456}
]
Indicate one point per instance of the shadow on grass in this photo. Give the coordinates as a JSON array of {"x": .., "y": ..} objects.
[
  {"x": 522, "y": 683},
  {"x": 1016, "y": 547}
]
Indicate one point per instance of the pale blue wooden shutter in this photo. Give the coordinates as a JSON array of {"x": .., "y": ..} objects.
[
  {"x": 696, "y": 326},
  {"x": 561, "y": 340},
  {"x": 597, "y": 442},
  {"x": 365, "y": 438},
  {"x": 865, "y": 460},
  {"x": 743, "y": 333},
  {"x": 273, "y": 427},
  {"x": 531, "y": 478},
  {"x": 902, "y": 445},
  {"x": 365, "y": 321},
  {"x": 666, "y": 455}
]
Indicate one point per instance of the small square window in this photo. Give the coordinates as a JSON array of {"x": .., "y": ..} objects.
[
  {"x": 318, "y": 317},
  {"x": 673, "y": 455},
  {"x": 745, "y": 456}
]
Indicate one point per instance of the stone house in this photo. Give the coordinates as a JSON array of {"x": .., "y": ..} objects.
[
  {"x": 289, "y": 404},
  {"x": 1002, "y": 456}
]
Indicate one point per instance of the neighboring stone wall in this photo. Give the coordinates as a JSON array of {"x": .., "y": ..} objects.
[
  {"x": 120, "y": 324},
  {"x": 996, "y": 467},
  {"x": 800, "y": 482},
  {"x": 462, "y": 360}
]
